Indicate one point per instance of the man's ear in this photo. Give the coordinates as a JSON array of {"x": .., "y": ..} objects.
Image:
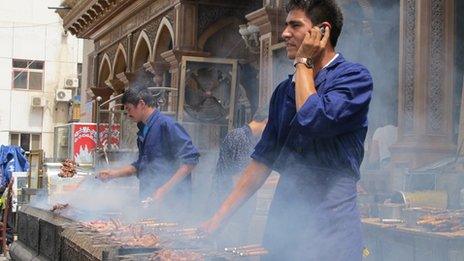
[{"x": 326, "y": 24}]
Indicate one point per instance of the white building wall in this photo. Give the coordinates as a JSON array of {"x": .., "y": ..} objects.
[
  {"x": 5, "y": 72},
  {"x": 6, "y": 39},
  {"x": 31, "y": 31},
  {"x": 86, "y": 108},
  {"x": 5, "y": 112}
]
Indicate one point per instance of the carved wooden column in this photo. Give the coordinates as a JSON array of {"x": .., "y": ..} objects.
[
  {"x": 426, "y": 82},
  {"x": 172, "y": 59},
  {"x": 186, "y": 26},
  {"x": 270, "y": 21},
  {"x": 94, "y": 76},
  {"x": 129, "y": 40},
  {"x": 157, "y": 69}
]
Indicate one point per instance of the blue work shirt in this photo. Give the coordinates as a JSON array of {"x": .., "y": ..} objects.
[
  {"x": 163, "y": 146},
  {"x": 318, "y": 151}
]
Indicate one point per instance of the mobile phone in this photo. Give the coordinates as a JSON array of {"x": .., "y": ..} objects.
[{"x": 322, "y": 29}]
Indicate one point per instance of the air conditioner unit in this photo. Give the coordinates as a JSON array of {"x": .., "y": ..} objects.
[
  {"x": 71, "y": 83},
  {"x": 38, "y": 102},
  {"x": 63, "y": 95}
]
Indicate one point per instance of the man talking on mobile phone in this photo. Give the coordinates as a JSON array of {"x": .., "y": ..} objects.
[{"x": 314, "y": 138}]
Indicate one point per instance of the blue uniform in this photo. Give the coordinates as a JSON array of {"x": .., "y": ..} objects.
[
  {"x": 163, "y": 146},
  {"x": 318, "y": 151}
]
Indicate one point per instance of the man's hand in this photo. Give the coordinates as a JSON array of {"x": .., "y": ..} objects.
[
  {"x": 159, "y": 195},
  {"x": 314, "y": 44},
  {"x": 106, "y": 175},
  {"x": 253, "y": 177},
  {"x": 210, "y": 227}
]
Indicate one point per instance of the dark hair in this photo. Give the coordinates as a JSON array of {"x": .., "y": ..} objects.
[
  {"x": 320, "y": 11},
  {"x": 261, "y": 114},
  {"x": 136, "y": 93}
]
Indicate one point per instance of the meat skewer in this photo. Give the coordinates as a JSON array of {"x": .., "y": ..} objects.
[
  {"x": 68, "y": 170},
  {"x": 59, "y": 206},
  {"x": 449, "y": 221},
  {"x": 176, "y": 255}
]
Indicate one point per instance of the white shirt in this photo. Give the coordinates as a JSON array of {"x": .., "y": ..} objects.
[{"x": 385, "y": 136}]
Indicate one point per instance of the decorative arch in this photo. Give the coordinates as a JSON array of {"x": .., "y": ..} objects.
[
  {"x": 164, "y": 39},
  {"x": 120, "y": 60},
  {"x": 104, "y": 70},
  {"x": 216, "y": 27},
  {"x": 142, "y": 51}
]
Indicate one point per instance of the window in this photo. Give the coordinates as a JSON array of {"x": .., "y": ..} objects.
[
  {"x": 27, "y": 141},
  {"x": 28, "y": 74}
]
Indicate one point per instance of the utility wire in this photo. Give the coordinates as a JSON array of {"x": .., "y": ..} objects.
[
  {"x": 23, "y": 69},
  {"x": 28, "y": 26}
]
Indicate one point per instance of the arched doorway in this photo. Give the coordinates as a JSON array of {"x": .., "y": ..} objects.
[
  {"x": 164, "y": 42},
  {"x": 120, "y": 62},
  {"x": 142, "y": 54},
  {"x": 119, "y": 66},
  {"x": 142, "y": 51},
  {"x": 104, "y": 71},
  {"x": 102, "y": 90}
]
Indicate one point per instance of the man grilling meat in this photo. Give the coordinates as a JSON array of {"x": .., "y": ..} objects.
[
  {"x": 166, "y": 155},
  {"x": 314, "y": 138}
]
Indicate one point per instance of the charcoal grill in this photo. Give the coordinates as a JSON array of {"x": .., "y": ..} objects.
[{"x": 46, "y": 235}]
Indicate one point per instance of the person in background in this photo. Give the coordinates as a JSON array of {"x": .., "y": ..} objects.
[
  {"x": 12, "y": 159},
  {"x": 314, "y": 138},
  {"x": 379, "y": 150},
  {"x": 234, "y": 156},
  {"x": 166, "y": 156}
]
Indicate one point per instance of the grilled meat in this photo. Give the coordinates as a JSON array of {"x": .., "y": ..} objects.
[
  {"x": 58, "y": 207},
  {"x": 443, "y": 222},
  {"x": 148, "y": 240},
  {"x": 176, "y": 255},
  {"x": 68, "y": 170}
]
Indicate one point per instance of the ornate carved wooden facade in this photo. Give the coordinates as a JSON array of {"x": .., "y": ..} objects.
[
  {"x": 152, "y": 36},
  {"x": 144, "y": 41},
  {"x": 426, "y": 82}
]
